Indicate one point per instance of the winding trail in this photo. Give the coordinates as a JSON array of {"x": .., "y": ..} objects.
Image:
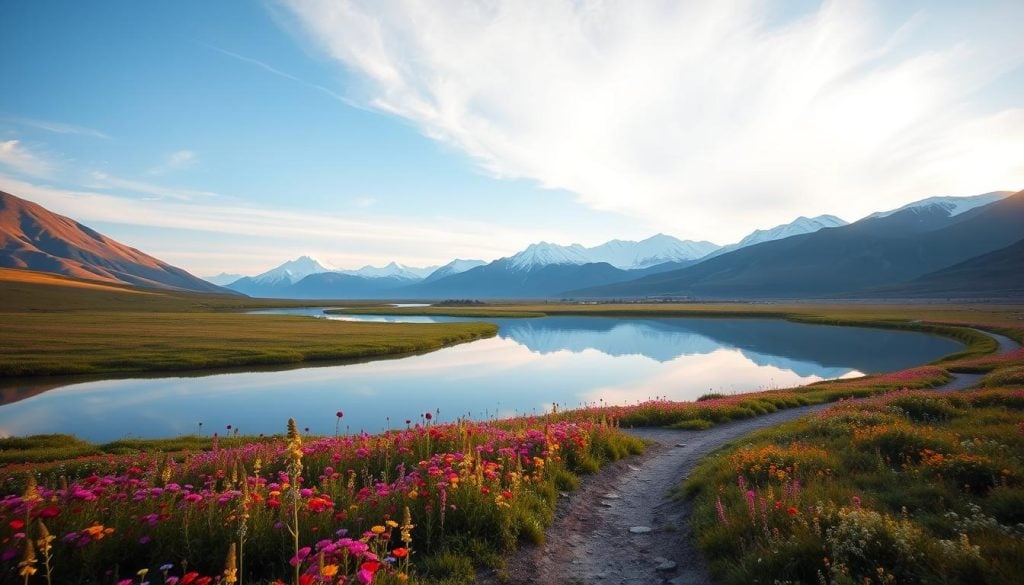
[{"x": 624, "y": 526}]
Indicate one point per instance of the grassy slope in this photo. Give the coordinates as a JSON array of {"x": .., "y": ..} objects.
[{"x": 55, "y": 325}]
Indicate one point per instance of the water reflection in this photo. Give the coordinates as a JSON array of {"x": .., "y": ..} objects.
[{"x": 528, "y": 366}]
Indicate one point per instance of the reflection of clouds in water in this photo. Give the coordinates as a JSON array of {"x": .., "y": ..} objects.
[
  {"x": 688, "y": 377},
  {"x": 570, "y": 361}
]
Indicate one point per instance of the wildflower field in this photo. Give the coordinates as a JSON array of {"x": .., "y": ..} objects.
[
  {"x": 345, "y": 509},
  {"x": 906, "y": 486},
  {"x": 910, "y": 487}
]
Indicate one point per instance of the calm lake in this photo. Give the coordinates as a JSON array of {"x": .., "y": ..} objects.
[{"x": 531, "y": 364}]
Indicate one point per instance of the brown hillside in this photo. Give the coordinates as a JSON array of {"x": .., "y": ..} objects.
[{"x": 34, "y": 238}]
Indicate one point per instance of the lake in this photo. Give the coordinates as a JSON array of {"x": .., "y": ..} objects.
[{"x": 531, "y": 364}]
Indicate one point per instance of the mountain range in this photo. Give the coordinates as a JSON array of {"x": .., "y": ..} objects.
[
  {"x": 877, "y": 255},
  {"x": 34, "y": 238},
  {"x": 540, "y": 270},
  {"x": 938, "y": 247}
]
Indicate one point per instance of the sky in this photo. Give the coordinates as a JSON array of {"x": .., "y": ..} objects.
[{"x": 233, "y": 136}]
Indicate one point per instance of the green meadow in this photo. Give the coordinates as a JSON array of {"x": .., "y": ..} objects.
[{"x": 51, "y": 325}]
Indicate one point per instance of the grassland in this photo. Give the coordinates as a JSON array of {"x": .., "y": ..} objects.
[
  {"x": 912, "y": 487},
  {"x": 53, "y": 325}
]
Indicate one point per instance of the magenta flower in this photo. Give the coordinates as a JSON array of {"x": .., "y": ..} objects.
[{"x": 301, "y": 556}]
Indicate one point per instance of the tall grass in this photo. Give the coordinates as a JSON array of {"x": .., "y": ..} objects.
[
  {"x": 425, "y": 500},
  {"x": 912, "y": 487}
]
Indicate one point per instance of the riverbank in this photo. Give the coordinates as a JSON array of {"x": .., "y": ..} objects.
[{"x": 50, "y": 325}]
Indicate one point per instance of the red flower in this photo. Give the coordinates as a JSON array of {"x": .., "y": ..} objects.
[
  {"x": 792, "y": 511},
  {"x": 188, "y": 578},
  {"x": 370, "y": 566},
  {"x": 49, "y": 512},
  {"x": 400, "y": 552},
  {"x": 16, "y": 525}
]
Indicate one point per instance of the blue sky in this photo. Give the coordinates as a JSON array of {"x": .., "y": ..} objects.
[{"x": 231, "y": 136}]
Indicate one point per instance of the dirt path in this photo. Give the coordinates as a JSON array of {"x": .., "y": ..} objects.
[
  {"x": 623, "y": 525},
  {"x": 962, "y": 381}
]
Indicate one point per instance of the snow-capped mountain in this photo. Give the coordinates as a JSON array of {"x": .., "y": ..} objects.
[
  {"x": 291, "y": 272},
  {"x": 800, "y": 225},
  {"x": 392, "y": 270},
  {"x": 655, "y": 250},
  {"x": 456, "y": 266},
  {"x": 952, "y": 205},
  {"x": 545, "y": 254},
  {"x": 624, "y": 254},
  {"x": 222, "y": 279}
]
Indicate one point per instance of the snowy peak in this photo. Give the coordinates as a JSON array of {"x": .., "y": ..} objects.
[
  {"x": 657, "y": 249},
  {"x": 392, "y": 270},
  {"x": 456, "y": 266},
  {"x": 292, "y": 271},
  {"x": 801, "y": 225},
  {"x": 545, "y": 254},
  {"x": 953, "y": 206},
  {"x": 624, "y": 254}
]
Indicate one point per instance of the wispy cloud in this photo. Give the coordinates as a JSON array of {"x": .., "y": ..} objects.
[
  {"x": 103, "y": 181},
  {"x": 56, "y": 127},
  {"x": 176, "y": 161},
  {"x": 19, "y": 158},
  {"x": 267, "y": 237},
  {"x": 274, "y": 70},
  {"x": 701, "y": 117}
]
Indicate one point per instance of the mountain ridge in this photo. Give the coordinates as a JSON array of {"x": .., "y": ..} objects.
[
  {"x": 872, "y": 252},
  {"x": 35, "y": 238}
]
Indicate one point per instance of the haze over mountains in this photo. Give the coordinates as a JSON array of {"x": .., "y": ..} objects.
[
  {"x": 541, "y": 270},
  {"x": 937, "y": 247},
  {"x": 34, "y": 238}
]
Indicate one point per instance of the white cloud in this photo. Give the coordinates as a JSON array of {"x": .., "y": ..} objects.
[
  {"x": 251, "y": 239},
  {"x": 21, "y": 159},
  {"x": 175, "y": 161},
  {"x": 703, "y": 118}
]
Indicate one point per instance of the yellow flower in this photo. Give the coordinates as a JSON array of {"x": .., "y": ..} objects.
[
  {"x": 391, "y": 524},
  {"x": 378, "y": 529}
]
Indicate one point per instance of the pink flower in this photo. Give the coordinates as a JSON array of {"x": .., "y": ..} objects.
[
  {"x": 301, "y": 556},
  {"x": 364, "y": 576}
]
